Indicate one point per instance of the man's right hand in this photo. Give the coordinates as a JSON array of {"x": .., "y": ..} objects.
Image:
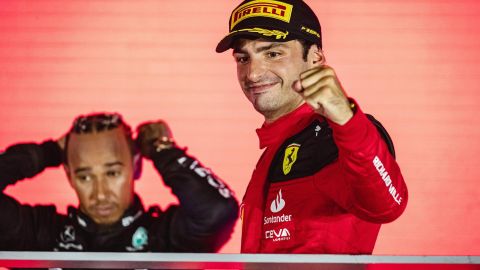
[
  {"x": 321, "y": 89},
  {"x": 153, "y": 137}
]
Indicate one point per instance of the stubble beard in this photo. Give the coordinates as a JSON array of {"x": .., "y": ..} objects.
[{"x": 276, "y": 103}]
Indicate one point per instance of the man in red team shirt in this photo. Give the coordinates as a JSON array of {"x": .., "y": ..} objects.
[{"x": 328, "y": 176}]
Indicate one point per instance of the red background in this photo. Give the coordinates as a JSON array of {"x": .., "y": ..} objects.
[{"x": 412, "y": 64}]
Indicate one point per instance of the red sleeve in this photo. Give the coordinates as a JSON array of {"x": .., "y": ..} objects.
[{"x": 375, "y": 189}]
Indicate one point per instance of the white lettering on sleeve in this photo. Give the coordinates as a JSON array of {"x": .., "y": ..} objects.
[{"x": 386, "y": 178}]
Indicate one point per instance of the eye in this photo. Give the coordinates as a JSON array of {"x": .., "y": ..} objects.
[
  {"x": 240, "y": 59},
  {"x": 273, "y": 54},
  {"x": 83, "y": 177},
  {"x": 113, "y": 173}
]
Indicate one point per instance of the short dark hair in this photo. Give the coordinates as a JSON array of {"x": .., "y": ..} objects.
[
  {"x": 306, "y": 47},
  {"x": 99, "y": 122}
]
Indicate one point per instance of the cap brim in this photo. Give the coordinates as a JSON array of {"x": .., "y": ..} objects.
[
  {"x": 227, "y": 42},
  {"x": 224, "y": 44}
]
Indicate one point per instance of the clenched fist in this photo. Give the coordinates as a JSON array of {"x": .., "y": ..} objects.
[
  {"x": 153, "y": 137},
  {"x": 321, "y": 89}
]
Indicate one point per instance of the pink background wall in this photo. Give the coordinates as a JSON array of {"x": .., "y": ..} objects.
[{"x": 412, "y": 64}]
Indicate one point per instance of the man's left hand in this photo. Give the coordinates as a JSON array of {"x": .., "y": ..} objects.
[{"x": 154, "y": 137}]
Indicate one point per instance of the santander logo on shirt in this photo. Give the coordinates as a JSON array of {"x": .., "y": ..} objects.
[
  {"x": 278, "y": 204},
  {"x": 277, "y": 233}
]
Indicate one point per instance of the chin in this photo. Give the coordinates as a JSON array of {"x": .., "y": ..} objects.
[{"x": 264, "y": 107}]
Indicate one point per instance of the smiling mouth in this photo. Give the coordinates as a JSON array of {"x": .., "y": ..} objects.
[{"x": 257, "y": 89}]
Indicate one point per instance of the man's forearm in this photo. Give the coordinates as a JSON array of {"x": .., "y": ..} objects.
[
  {"x": 378, "y": 191},
  {"x": 22, "y": 161},
  {"x": 208, "y": 209}
]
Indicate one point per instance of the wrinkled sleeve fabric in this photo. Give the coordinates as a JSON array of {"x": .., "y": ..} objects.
[
  {"x": 208, "y": 210},
  {"x": 370, "y": 185},
  {"x": 23, "y": 227}
]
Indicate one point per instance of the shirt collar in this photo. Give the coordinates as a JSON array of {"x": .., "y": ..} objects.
[
  {"x": 285, "y": 126},
  {"x": 130, "y": 215}
]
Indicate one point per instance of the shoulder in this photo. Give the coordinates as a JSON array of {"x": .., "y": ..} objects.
[
  {"x": 305, "y": 153},
  {"x": 383, "y": 133}
]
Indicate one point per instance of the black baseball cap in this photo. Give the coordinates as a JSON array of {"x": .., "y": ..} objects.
[{"x": 276, "y": 20}]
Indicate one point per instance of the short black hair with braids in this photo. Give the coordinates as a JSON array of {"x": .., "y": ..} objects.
[{"x": 99, "y": 122}]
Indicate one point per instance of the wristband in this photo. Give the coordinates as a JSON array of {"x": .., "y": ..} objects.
[{"x": 163, "y": 143}]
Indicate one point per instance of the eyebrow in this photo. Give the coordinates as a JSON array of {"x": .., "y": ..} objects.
[
  {"x": 82, "y": 169},
  {"x": 263, "y": 48},
  {"x": 109, "y": 164}
]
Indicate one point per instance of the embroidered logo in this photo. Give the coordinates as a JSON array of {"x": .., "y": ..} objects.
[
  {"x": 262, "y": 8},
  {"x": 207, "y": 175},
  {"x": 68, "y": 234},
  {"x": 280, "y": 235},
  {"x": 268, "y": 33},
  {"x": 126, "y": 221},
  {"x": 386, "y": 178},
  {"x": 278, "y": 204},
  {"x": 290, "y": 157},
  {"x": 68, "y": 240},
  {"x": 317, "y": 129},
  {"x": 139, "y": 239}
]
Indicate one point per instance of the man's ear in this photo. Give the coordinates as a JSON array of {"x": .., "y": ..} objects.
[{"x": 316, "y": 56}]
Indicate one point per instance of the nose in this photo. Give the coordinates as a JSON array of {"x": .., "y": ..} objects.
[
  {"x": 100, "y": 189},
  {"x": 255, "y": 70}
]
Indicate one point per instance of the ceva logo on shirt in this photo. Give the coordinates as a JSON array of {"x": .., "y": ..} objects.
[
  {"x": 280, "y": 235},
  {"x": 278, "y": 204}
]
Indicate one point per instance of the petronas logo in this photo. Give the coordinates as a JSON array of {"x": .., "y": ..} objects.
[
  {"x": 140, "y": 238},
  {"x": 290, "y": 157}
]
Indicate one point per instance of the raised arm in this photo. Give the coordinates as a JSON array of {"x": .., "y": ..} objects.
[
  {"x": 371, "y": 186},
  {"x": 208, "y": 209},
  {"x": 22, "y": 226}
]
